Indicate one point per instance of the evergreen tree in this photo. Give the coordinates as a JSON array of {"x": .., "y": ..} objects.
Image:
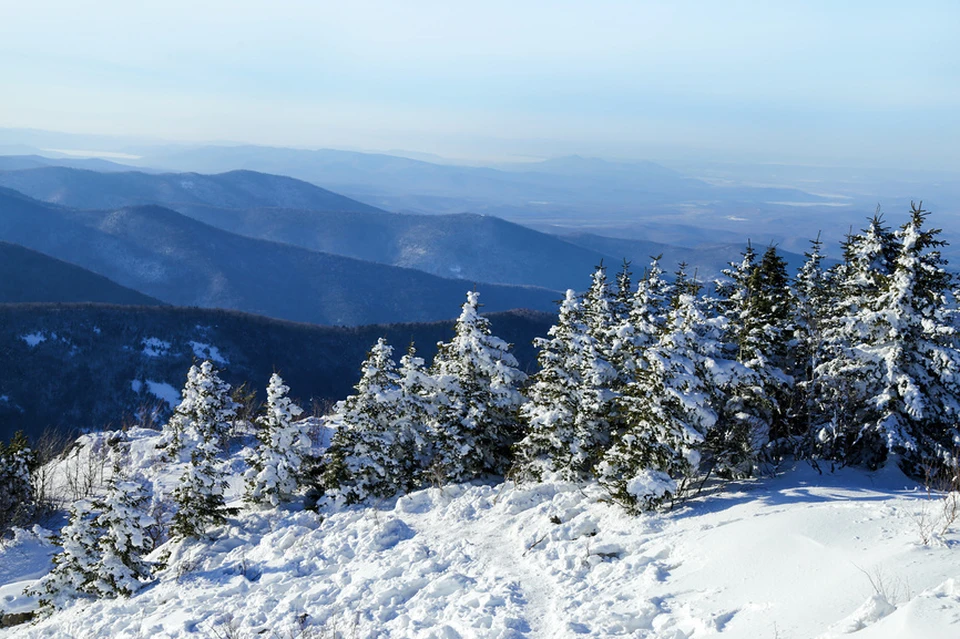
[
  {"x": 754, "y": 307},
  {"x": 17, "y": 496},
  {"x": 649, "y": 306},
  {"x": 364, "y": 458},
  {"x": 417, "y": 410},
  {"x": 624, "y": 295},
  {"x": 276, "y": 465},
  {"x": 599, "y": 313},
  {"x": 667, "y": 413},
  {"x": 477, "y": 399},
  {"x": 122, "y": 523},
  {"x": 203, "y": 415},
  {"x": 811, "y": 298},
  {"x": 76, "y": 568},
  {"x": 199, "y": 494},
  {"x": 849, "y": 371},
  {"x": 567, "y": 414},
  {"x": 900, "y": 351}
]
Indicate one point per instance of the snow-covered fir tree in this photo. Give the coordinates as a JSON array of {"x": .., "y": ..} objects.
[
  {"x": 811, "y": 297},
  {"x": 276, "y": 465},
  {"x": 900, "y": 350},
  {"x": 204, "y": 414},
  {"x": 477, "y": 382},
  {"x": 649, "y": 305},
  {"x": 567, "y": 414},
  {"x": 624, "y": 293},
  {"x": 123, "y": 544},
  {"x": 667, "y": 416},
  {"x": 849, "y": 371},
  {"x": 754, "y": 307},
  {"x": 365, "y": 456},
  {"x": 76, "y": 567},
  {"x": 17, "y": 496},
  {"x": 599, "y": 305},
  {"x": 199, "y": 495},
  {"x": 417, "y": 410}
]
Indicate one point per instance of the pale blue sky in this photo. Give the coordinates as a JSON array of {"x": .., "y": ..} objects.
[{"x": 873, "y": 82}]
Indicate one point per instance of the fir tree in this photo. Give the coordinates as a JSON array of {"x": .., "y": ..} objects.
[
  {"x": 667, "y": 413},
  {"x": 649, "y": 307},
  {"x": 199, "y": 494},
  {"x": 849, "y": 370},
  {"x": 122, "y": 522},
  {"x": 567, "y": 414},
  {"x": 277, "y": 462},
  {"x": 364, "y": 458},
  {"x": 599, "y": 313},
  {"x": 17, "y": 496},
  {"x": 76, "y": 568},
  {"x": 811, "y": 298},
  {"x": 203, "y": 415},
  {"x": 624, "y": 294},
  {"x": 477, "y": 399},
  {"x": 417, "y": 410},
  {"x": 900, "y": 351},
  {"x": 754, "y": 307}
]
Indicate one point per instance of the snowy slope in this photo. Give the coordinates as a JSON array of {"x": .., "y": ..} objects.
[{"x": 799, "y": 555}]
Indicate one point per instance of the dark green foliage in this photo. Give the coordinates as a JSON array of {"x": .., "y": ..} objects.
[
  {"x": 18, "y": 502},
  {"x": 199, "y": 495},
  {"x": 83, "y": 377}
]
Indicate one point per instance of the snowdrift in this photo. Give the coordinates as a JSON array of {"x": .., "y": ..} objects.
[{"x": 799, "y": 555}]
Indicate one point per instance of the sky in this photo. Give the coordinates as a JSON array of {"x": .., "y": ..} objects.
[{"x": 866, "y": 83}]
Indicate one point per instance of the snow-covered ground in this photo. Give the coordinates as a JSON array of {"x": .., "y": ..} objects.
[{"x": 799, "y": 555}]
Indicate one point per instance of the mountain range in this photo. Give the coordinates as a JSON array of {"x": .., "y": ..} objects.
[
  {"x": 29, "y": 276},
  {"x": 476, "y": 248},
  {"x": 178, "y": 260}
]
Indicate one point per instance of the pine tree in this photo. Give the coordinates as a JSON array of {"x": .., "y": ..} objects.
[
  {"x": 364, "y": 458},
  {"x": 203, "y": 415},
  {"x": 199, "y": 496},
  {"x": 76, "y": 568},
  {"x": 567, "y": 414},
  {"x": 123, "y": 543},
  {"x": 667, "y": 413},
  {"x": 277, "y": 462},
  {"x": 477, "y": 399},
  {"x": 17, "y": 496}
]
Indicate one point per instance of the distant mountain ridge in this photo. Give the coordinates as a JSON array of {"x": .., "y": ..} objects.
[
  {"x": 171, "y": 257},
  {"x": 29, "y": 276},
  {"x": 471, "y": 247},
  {"x": 81, "y": 188}
]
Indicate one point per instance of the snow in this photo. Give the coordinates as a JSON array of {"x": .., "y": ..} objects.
[
  {"x": 206, "y": 351},
  {"x": 163, "y": 391},
  {"x": 33, "y": 339},
  {"x": 798, "y": 555},
  {"x": 156, "y": 347}
]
